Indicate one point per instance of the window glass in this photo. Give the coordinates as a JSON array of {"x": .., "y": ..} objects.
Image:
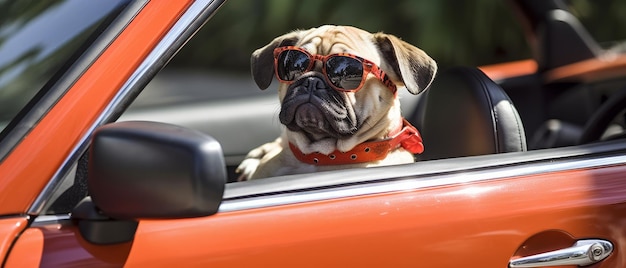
[{"x": 37, "y": 39}]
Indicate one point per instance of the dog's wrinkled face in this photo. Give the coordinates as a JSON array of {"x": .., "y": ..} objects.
[
  {"x": 320, "y": 118},
  {"x": 310, "y": 106}
]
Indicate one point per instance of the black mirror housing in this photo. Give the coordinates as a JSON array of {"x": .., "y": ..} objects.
[{"x": 149, "y": 170}]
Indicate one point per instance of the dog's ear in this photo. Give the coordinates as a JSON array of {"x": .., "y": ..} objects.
[
  {"x": 262, "y": 60},
  {"x": 410, "y": 64}
]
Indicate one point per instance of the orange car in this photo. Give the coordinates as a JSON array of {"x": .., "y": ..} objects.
[{"x": 525, "y": 171}]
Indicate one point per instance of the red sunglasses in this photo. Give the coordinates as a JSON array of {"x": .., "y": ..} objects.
[{"x": 343, "y": 71}]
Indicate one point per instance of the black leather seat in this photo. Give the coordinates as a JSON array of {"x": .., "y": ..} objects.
[{"x": 465, "y": 113}]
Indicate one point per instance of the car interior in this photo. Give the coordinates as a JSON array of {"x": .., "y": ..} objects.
[{"x": 464, "y": 114}]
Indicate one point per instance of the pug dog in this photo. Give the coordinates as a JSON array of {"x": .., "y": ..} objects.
[{"x": 338, "y": 100}]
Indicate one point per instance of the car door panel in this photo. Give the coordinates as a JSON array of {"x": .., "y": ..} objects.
[
  {"x": 463, "y": 221},
  {"x": 485, "y": 223}
]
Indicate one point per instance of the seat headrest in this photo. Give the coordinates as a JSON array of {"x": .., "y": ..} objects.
[{"x": 465, "y": 113}]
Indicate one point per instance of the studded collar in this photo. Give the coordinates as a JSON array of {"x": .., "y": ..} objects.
[{"x": 407, "y": 137}]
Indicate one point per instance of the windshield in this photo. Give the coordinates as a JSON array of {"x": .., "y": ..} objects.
[{"x": 37, "y": 40}]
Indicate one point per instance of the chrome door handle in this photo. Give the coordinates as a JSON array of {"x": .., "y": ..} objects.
[{"x": 584, "y": 252}]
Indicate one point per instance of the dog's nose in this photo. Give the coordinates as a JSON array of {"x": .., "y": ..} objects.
[{"x": 312, "y": 82}]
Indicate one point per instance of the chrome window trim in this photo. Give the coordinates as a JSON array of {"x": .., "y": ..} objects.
[
  {"x": 187, "y": 25},
  {"x": 50, "y": 219},
  {"x": 416, "y": 182}
]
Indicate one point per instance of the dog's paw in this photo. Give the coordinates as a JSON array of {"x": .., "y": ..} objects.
[
  {"x": 256, "y": 157},
  {"x": 247, "y": 168}
]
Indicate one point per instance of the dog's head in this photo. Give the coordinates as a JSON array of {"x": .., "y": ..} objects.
[{"x": 326, "y": 104}]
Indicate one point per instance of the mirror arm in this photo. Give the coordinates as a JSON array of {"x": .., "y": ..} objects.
[{"x": 97, "y": 228}]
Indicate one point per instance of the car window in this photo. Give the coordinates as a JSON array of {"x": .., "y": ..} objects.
[
  {"x": 37, "y": 40},
  {"x": 208, "y": 86}
]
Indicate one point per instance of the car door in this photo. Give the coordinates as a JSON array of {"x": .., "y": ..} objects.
[
  {"x": 479, "y": 211},
  {"x": 482, "y": 215}
]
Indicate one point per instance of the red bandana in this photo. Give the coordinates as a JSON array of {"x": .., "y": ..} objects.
[{"x": 408, "y": 138}]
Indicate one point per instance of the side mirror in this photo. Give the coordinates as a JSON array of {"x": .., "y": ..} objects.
[{"x": 149, "y": 170}]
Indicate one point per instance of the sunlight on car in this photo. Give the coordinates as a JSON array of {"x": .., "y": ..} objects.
[{"x": 474, "y": 191}]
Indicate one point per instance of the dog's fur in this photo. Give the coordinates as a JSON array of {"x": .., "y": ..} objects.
[{"x": 327, "y": 120}]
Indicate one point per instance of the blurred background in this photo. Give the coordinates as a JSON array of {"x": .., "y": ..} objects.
[
  {"x": 453, "y": 32},
  {"x": 450, "y": 35},
  {"x": 215, "y": 64}
]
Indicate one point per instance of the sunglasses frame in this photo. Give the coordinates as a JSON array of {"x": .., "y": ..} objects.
[{"x": 368, "y": 67}]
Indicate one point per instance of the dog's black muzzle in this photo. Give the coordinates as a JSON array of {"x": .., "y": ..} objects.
[{"x": 312, "y": 106}]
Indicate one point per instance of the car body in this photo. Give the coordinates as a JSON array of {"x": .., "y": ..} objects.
[{"x": 158, "y": 195}]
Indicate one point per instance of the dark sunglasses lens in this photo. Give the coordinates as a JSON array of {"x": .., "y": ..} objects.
[
  {"x": 291, "y": 64},
  {"x": 344, "y": 72}
]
